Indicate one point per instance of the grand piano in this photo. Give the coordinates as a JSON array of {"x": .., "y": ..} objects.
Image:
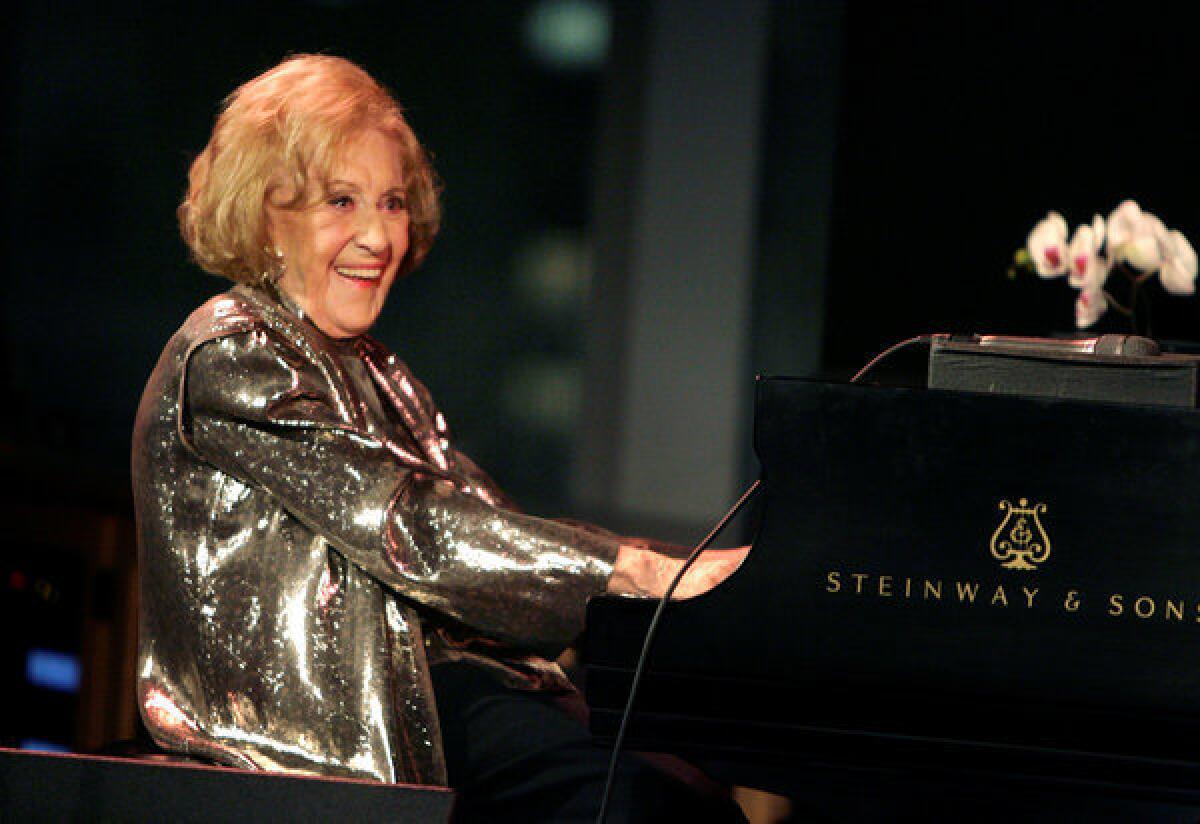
[{"x": 957, "y": 604}]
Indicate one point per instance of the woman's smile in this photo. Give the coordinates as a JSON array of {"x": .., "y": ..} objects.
[{"x": 361, "y": 277}]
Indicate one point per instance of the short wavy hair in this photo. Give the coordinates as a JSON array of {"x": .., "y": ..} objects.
[{"x": 285, "y": 126}]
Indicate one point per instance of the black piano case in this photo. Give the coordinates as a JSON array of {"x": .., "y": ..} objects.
[{"x": 948, "y": 580}]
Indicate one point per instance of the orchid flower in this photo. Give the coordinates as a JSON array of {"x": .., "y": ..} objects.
[
  {"x": 1132, "y": 242},
  {"x": 1136, "y": 237},
  {"x": 1178, "y": 273},
  {"x": 1047, "y": 244},
  {"x": 1086, "y": 263},
  {"x": 1089, "y": 306},
  {"x": 1092, "y": 301},
  {"x": 1121, "y": 222}
]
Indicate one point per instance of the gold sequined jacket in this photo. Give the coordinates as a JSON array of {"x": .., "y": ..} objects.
[{"x": 309, "y": 539}]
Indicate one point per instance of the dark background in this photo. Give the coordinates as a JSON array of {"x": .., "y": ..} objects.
[
  {"x": 957, "y": 126},
  {"x": 109, "y": 104},
  {"x": 962, "y": 124}
]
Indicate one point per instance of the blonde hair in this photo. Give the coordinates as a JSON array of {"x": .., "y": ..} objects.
[{"x": 288, "y": 124}]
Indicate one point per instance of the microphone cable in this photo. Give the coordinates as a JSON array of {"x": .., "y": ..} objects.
[
  {"x": 651, "y": 632},
  {"x": 896, "y": 347}
]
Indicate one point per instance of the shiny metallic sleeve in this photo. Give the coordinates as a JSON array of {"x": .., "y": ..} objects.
[{"x": 256, "y": 410}]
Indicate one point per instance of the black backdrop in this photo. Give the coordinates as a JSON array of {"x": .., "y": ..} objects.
[
  {"x": 959, "y": 124},
  {"x": 106, "y": 105},
  {"x": 963, "y": 123}
]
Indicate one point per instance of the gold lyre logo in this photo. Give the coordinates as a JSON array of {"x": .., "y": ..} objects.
[{"x": 1020, "y": 542}]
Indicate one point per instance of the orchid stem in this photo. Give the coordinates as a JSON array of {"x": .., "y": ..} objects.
[{"x": 1115, "y": 304}]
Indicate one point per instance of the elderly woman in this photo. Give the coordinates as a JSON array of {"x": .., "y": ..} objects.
[{"x": 328, "y": 585}]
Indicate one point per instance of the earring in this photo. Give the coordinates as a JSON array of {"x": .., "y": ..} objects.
[{"x": 277, "y": 267}]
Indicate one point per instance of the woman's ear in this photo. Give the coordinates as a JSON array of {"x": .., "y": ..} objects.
[
  {"x": 276, "y": 201},
  {"x": 270, "y": 226}
]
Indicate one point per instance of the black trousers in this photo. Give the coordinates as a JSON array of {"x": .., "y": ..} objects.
[{"x": 514, "y": 755}]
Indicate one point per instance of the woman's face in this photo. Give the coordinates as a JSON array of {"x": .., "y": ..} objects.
[{"x": 341, "y": 254}]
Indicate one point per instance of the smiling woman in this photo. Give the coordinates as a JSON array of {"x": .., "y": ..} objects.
[
  {"x": 328, "y": 585},
  {"x": 274, "y": 136},
  {"x": 339, "y": 256}
]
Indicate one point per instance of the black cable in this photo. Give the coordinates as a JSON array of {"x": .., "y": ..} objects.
[
  {"x": 651, "y": 631},
  {"x": 895, "y": 347}
]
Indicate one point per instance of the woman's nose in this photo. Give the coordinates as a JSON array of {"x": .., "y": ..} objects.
[{"x": 371, "y": 234}]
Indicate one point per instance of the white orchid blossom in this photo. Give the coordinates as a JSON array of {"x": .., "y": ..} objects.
[
  {"x": 1136, "y": 237},
  {"x": 1092, "y": 301},
  {"x": 1144, "y": 251},
  {"x": 1089, "y": 306},
  {"x": 1047, "y": 244},
  {"x": 1121, "y": 222},
  {"x": 1178, "y": 273},
  {"x": 1135, "y": 243},
  {"x": 1084, "y": 259}
]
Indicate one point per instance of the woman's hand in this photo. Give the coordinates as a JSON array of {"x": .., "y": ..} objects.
[{"x": 642, "y": 571}]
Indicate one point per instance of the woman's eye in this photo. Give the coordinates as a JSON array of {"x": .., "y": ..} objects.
[
  {"x": 394, "y": 203},
  {"x": 341, "y": 201}
]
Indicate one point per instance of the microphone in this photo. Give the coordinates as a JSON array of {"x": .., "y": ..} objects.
[{"x": 1127, "y": 345}]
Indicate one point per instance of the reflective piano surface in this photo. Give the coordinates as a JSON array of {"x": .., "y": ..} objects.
[
  {"x": 972, "y": 598},
  {"x": 38, "y": 786}
]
